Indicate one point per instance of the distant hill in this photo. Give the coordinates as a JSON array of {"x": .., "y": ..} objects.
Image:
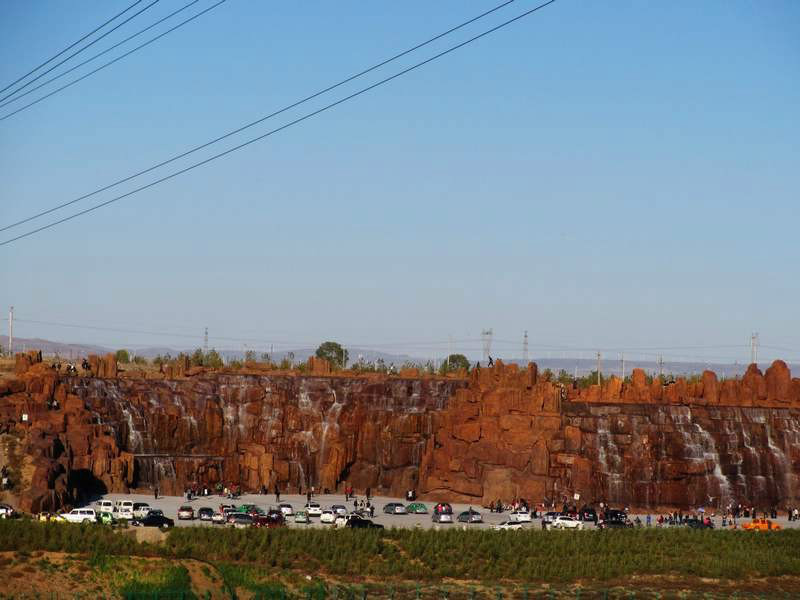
[
  {"x": 49, "y": 347},
  {"x": 583, "y": 366}
]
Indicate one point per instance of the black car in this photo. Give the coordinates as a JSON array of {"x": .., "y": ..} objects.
[
  {"x": 698, "y": 524},
  {"x": 205, "y": 513},
  {"x": 588, "y": 514},
  {"x": 153, "y": 519},
  {"x": 614, "y": 525},
  {"x": 359, "y": 523}
]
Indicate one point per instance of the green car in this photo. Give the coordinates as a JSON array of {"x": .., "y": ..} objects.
[
  {"x": 417, "y": 508},
  {"x": 106, "y": 518}
]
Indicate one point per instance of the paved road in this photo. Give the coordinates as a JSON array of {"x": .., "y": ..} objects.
[{"x": 170, "y": 505}]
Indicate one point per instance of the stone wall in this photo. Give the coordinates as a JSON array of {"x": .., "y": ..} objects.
[{"x": 500, "y": 433}]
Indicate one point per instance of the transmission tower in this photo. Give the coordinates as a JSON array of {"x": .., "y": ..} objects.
[
  {"x": 11, "y": 331},
  {"x": 486, "y": 336},
  {"x": 205, "y": 342},
  {"x": 754, "y": 348},
  {"x": 525, "y": 347}
]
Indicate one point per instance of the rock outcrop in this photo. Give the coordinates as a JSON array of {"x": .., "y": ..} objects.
[{"x": 501, "y": 432}]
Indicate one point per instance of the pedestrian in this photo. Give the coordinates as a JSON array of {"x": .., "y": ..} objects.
[
  {"x": 649, "y": 521},
  {"x": 355, "y": 505},
  {"x": 277, "y": 493},
  {"x": 155, "y": 493}
]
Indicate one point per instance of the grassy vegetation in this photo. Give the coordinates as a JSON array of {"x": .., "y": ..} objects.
[{"x": 425, "y": 555}]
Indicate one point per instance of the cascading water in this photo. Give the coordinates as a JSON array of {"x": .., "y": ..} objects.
[{"x": 610, "y": 462}]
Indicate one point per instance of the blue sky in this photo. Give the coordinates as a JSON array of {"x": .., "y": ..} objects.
[{"x": 603, "y": 175}]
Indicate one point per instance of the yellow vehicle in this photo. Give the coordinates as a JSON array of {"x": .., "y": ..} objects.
[{"x": 761, "y": 525}]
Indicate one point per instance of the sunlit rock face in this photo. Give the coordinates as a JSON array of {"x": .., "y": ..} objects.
[
  {"x": 500, "y": 433},
  {"x": 259, "y": 430}
]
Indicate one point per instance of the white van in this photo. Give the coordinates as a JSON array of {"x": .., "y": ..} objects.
[
  {"x": 106, "y": 506},
  {"x": 80, "y": 515},
  {"x": 125, "y": 509}
]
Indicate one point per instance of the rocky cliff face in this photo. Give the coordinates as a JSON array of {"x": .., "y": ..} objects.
[{"x": 500, "y": 433}]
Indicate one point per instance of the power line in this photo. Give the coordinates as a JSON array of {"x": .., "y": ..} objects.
[
  {"x": 109, "y": 63},
  {"x": 282, "y": 127},
  {"x": 32, "y": 71},
  {"x": 257, "y": 121},
  {"x": 90, "y": 44},
  {"x": 99, "y": 54}
]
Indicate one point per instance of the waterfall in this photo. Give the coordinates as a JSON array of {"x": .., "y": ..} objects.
[{"x": 610, "y": 461}]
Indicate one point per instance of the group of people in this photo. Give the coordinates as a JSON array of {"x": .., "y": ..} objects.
[
  {"x": 71, "y": 369},
  {"x": 794, "y": 513},
  {"x": 521, "y": 504}
]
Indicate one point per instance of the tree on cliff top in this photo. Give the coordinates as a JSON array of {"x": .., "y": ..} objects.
[
  {"x": 454, "y": 362},
  {"x": 333, "y": 353},
  {"x": 123, "y": 357}
]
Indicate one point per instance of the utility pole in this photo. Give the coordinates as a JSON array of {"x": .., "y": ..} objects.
[
  {"x": 525, "y": 347},
  {"x": 754, "y": 348},
  {"x": 205, "y": 342},
  {"x": 660, "y": 367},
  {"x": 623, "y": 366},
  {"x": 598, "y": 368},
  {"x": 486, "y": 336},
  {"x": 576, "y": 372},
  {"x": 449, "y": 349},
  {"x": 11, "y": 331}
]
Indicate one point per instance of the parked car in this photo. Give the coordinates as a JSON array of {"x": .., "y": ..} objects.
[
  {"x": 356, "y": 522},
  {"x": 588, "y": 514},
  {"x": 339, "y": 509},
  {"x": 394, "y": 508},
  {"x": 185, "y": 513},
  {"x": 155, "y": 518},
  {"x": 549, "y": 517},
  {"x": 508, "y": 526},
  {"x": 694, "y": 523},
  {"x": 241, "y": 520},
  {"x": 140, "y": 510},
  {"x": 286, "y": 509},
  {"x": 79, "y": 515},
  {"x": 327, "y": 516},
  {"x": 566, "y": 522},
  {"x": 442, "y": 513},
  {"x": 470, "y": 516},
  {"x": 205, "y": 513},
  {"x": 106, "y": 518},
  {"x": 614, "y": 525},
  {"x": 106, "y": 506},
  {"x": 313, "y": 509},
  {"x": 218, "y": 518},
  {"x": 417, "y": 508},
  {"x": 125, "y": 509},
  {"x": 341, "y": 520},
  {"x": 6, "y": 511},
  {"x": 520, "y": 516},
  {"x": 761, "y": 525},
  {"x": 271, "y": 519}
]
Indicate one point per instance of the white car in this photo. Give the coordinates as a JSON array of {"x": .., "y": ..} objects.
[
  {"x": 79, "y": 515},
  {"x": 125, "y": 509},
  {"x": 340, "y": 521},
  {"x": 140, "y": 510},
  {"x": 6, "y": 511},
  {"x": 327, "y": 516},
  {"x": 286, "y": 509},
  {"x": 219, "y": 518},
  {"x": 520, "y": 516},
  {"x": 313, "y": 509},
  {"x": 565, "y": 522},
  {"x": 508, "y": 526}
]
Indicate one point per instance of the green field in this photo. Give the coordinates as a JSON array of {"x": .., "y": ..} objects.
[{"x": 455, "y": 563}]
